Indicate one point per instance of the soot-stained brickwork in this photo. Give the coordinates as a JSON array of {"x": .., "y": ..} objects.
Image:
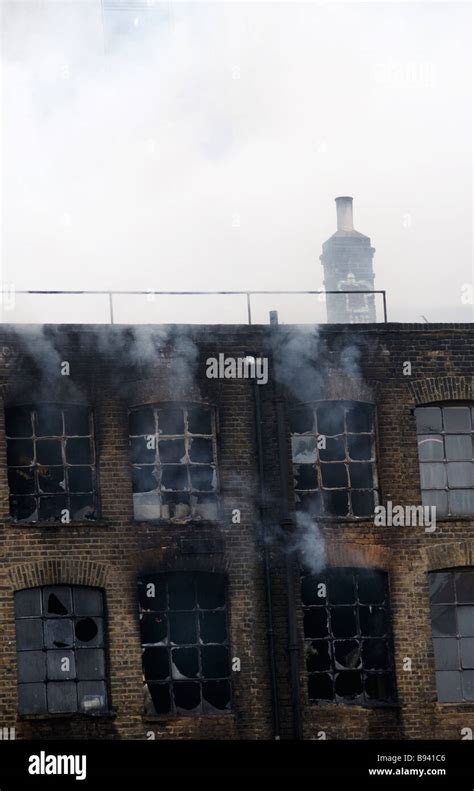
[{"x": 365, "y": 664}]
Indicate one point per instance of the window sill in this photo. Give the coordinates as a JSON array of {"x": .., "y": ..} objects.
[
  {"x": 353, "y": 706},
  {"x": 77, "y": 715},
  {"x": 461, "y": 707},
  {"x": 83, "y": 523},
  {"x": 178, "y": 523},
  {"x": 165, "y": 718}
]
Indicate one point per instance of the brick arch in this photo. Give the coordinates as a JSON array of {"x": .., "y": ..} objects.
[
  {"x": 440, "y": 556},
  {"x": 342, "y": 553},
  {"x": 159, "y": 560},
  {"x": 59, "y": 571},
  {"x": 442, "y": 388}
]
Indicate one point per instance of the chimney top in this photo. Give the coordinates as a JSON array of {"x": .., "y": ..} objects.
[{"x": 344, "y": 213}]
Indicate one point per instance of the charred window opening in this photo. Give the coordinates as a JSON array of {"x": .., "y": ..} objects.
[
  {"x": 51, "y": 463},
  {"x": 334, "y": 465},
  {"x": 183, "y": 624},
  {"x": 446, "y": 458},
  {"x": 174, "y": 467},
  {"x": 348, "y": 641},
  {"x": 452, "y": 623},
  {"x": 60, "y": 650}
]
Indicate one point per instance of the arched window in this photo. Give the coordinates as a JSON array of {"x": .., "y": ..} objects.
[
  {"x": 446, "y": 458},
  {"x": 347, "y": 632},
  {"x": 51, "y": 463},
  {"x": 183, "y": 624},
  {"x": 174, "y": 462},
  {"x": 334, "y": 463},
  {"x": 60, "y": 650},
  {"x": 452, "y": 623}
]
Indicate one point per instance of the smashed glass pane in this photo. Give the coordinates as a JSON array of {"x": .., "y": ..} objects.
[
  {"x": 305, "y": 476},
  {"x": 210, "y": 590},
  {"x": 175, "y": 505},
  {"x": 359, "y": 418},
  {"x": 303, "y": 449},
  {"x": 330, "y": 420},
  {"x": 80, "y": 479},
  {"x": 172, "y": 451},
  {"x": 212, "y": 627},
  {"x": 309, "y": 503},
  {"x": 51, "y": 508},
  {"x": 316, "y": 622},
  {"x": 205, "y": 506},
  {"x": 341, "y": 586},
  {"x": 184, "y": 663},
  {"x": 89, "y": 631},
  {"x": 371, "y": 586},
  {"x": 379, "y": 686},
  {"x": 157, "y": 699},
  {"x": 170, "y": 421},
  {"x": 153, "y": 628},
  {"x": 187, "y": 696},
  {"x": 334, "y": 476},
  {"x": 363, "y": 503},
  {"x": 156, "y": 664},
  {"x": 144, "y": 479},
  {"x": 61, "y": 665},
  {"x": 49, "y": 421},
  {"x": 77, "y": 421},
  {"x": 181, "y": 592},
  {"x": 348, "y": 685},
  {"x": 457, "y": 419},
  {"x": 51, "y": 479},
  {"x": 199, "y": 420},
  {"x": 174, "y": 477},
  {"x": 375, "y": 654},
  {"x": 320, "y": 686},
  {"x": 203, "y": 478},
  {"x": 18, "y": 422},
  {"x": 216, "y": 694},
  {"x": 142, "y": 421},
  {"x": 183, "y": 629},
  {"x": 58, "y": 633},
  {"x": 201, "y": 450},
  {"x": 301, "y": 421},
  {"x": 82, "y": 506},
  {"x": 464, "y": 581},
  {"x": 214, "y": 661},
  {"x": 318, "y": 655},
  {"x": 428, "y": 420},
  {"x": 347, "y": 654},
  {"x": 373, "y": 621},
  {"x": 21, "y": 480},
  {"x": 443, "y": 620},
  {"x": 343, "y": 622},
  {"x": 441, "y": 587},
  {"x": 48, "y": 451},
  {"x": 20, "y": 452},
  {"x": 57, "y": 600},
  {"x": 23, "y": 509},
  {"x": 92, "y": 697},
  {"x": 147, "y": 506}
]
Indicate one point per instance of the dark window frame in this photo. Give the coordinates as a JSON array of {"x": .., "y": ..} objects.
[
  {"x": 322, "y": 492},
  {"x": 327, "y": 637},
  {"x": 77, "y": 646},
  {"x": 36, "y": 467},
  {"x": 192, "y": 493},
  {"x": 203, "y": 708}
]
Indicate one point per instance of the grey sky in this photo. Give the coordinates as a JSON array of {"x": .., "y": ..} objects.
[{"x": 204, "y": 150}]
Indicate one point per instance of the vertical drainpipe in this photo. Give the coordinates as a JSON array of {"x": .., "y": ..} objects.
[
  {"x": 266, "y": 564},
  {"x": 287, "y": 524}
]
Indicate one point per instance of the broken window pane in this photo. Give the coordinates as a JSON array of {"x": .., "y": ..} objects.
[
  {"x": 334, "y": 450},
  {"x": 360, "y": 447},
  {"x": 58, "y": 633},
  {"x": 78, "y": 451},
  {"x": 20, "y": 452},
  {"x": 18, "y": 422},
  {"x": 348, "y": 685},
  {"x": 320, "y": 686},
  {"x": 200, "y": 450},
  {"x": 305, "y": 476},
  {"x": 303, "y": 449},
  {"x": 194, "y": 609},
  {"x": 205, "y": 506},
  {"x": 51, "y": 479},
  {"x": 80, "y": 479},
  {"x": 203, "y": 478},
  {"x": 330, "y": 420},
  {"x": 373, "y": 621},
  {"x": 174, "y": 477},
  {"x": 374, "y": 654},
  {"x": 334, "y": 475},
  {"x": 360, "y": 418},
  {"x": 316, "y": 622},
  {"x": 142, "y": 450},
  {"x": 157, "y": 699},
  {"x": 144, "y": 479},
  {"x": 51, "y": 508},
  {"x": 77, "y": 421},
  {"x": 379, "y": 686},
  {"x": 318, "y": 655},
  {"x": 175, "y": 505},
  {"x": 48, "y": 451},
  {"x": 82, "y": 506},
  {"x": 346, "y": 654},
  {"x": 363, "y": 503},
  {"x": 313, "y": 589},
  {"x": 142, "y": 421},
  {"x": 336, "y": 503},
  {"x": 146, "y": 506},
  {"x": 309, "y": 503},
  {"x": 49, "y": 421},
  {"x": 343, "y": 621},
  {"x": 341, "y": 586},
  {"x": 89, "y": 631},
  {"x": 23, "y": 509},
  {"x": 57, "y": 600},
  {"x": 361, "y": 476},
  {"x": 21, "y": 480},
  {"x": 301, "y": 421},
  {"x": 371, "y": 586}
]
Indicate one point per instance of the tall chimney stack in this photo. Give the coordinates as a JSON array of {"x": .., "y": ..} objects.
[
  {"x": 344, "y": 214},
  {"x": 347, "y": 262}
]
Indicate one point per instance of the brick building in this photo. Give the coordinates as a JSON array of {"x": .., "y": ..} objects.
[{"x": 195, "y": 557}]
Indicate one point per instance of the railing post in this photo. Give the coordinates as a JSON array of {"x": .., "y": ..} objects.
[
  {"x": 249, "y": 311},
  {"x": 111, "y": 306}
]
